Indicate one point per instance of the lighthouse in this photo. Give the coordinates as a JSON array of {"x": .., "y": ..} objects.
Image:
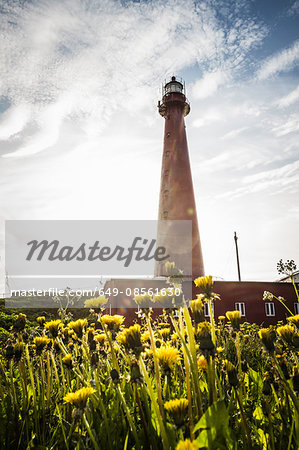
[{"x": 177, "y": 202}]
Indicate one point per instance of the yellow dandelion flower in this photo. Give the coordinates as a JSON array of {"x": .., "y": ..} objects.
[
  {"x": 231, "y": 373},
  {"x": 40, "y": 343},
  {"x": 205, "y": 284},
  {"x": 196, "y": 305},
  {"x": 187, "y": 445},
  {"x": 164, "y": 333},
  {"x": 95, "y": 302},
  {"x": 53, "y": 327},
  {"x": 177, "y": 410},
  {"x": 68, "y": 360},
  {"x": 100, "y": 338},
  {"x": 204, "y": 329},
  {"x": 41, "y": 320},
  {"x": 287, "y": 332},
  {"x": 197, "y": 310},
  {"x": 112, "y": 322},
  {"x": 20, "y": 322},
  {"x": 168, "y": 357},
  {"x": 267, "y": 336},
  {"x": 220, "y": 349},
  {"x": 235, "y": 318},
  {"x": 204, "y": 336},
  {"x": 294, "y": 320},
  {"x": 131, "y": 338},
  {"x": 78, "y": 326},
  {"x": 202, "y": 363},
  {"x": 80, "y": 397}
]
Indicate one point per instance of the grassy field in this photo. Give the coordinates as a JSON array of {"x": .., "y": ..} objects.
[{"x": 176, "y": 382}]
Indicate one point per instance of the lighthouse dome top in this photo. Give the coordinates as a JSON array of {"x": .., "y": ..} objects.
[
  {"x": 173, "y": 95},
  {"x": 174, "y": 84}
]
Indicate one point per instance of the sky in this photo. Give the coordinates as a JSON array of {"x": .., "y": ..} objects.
[{"x": 81, "y": 137}]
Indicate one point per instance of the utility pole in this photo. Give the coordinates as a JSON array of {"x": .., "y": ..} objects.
[{"x": 237, "y": 253}]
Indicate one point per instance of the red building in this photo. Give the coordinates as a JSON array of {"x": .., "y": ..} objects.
[{"x": 247, "y": 296}]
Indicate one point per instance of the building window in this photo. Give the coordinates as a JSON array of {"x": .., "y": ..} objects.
[
  {"x": 166, "y": 173},
  {"x": 167, "y": 153},
  {"x": 240, "y": 306},
  {"x": 207, "y": 310},
  {"x": 165, "y": 214},
  {"x": 270, "y": 309},
  {"x": 296, "y": 307}
]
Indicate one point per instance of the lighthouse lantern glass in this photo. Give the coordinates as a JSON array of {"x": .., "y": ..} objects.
[{"x": 173, "y": 87}]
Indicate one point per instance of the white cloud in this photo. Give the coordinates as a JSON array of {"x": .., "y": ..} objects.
[
  {"x": 49, "y": 121},
  {"x": 282, "y": 61},
  {"x": 225, "y": 113},
  {"x": 208, "y": 84},
  {"x": 14, "y": 120},
  {"x": 247, "y": 108},
  {"x": 212, "y": 115},
  {"x": 288, "y": 99},
  {"x": 282, "y": 179},
  {"x": 234, "y": 133},
  {"x": 288, "y": 171},
  {"x": 289, "y": 126},
  {"x": 108, "y": 57},
  {"x": 294, "y": 9}
]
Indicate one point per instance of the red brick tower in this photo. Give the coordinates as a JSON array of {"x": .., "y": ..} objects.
[{"x": 176, "y": 191}]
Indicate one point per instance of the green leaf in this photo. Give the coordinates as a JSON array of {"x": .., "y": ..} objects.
[
  {"x": 206, "y": 438},
  {"x": 262, "y": 439},
  {"x": 216, "y": 416},
  {"x": 256, "y": 378},
  {"x": 215, "y": 432},
  {"x": 126, "y": 441},
  {"x": 258, "y": 413}
]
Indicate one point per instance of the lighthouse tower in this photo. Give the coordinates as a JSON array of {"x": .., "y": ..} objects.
[{"x": 176, "y": 191}]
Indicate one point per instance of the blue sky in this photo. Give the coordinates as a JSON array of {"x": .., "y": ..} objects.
[{"x": 81, "y": 138}]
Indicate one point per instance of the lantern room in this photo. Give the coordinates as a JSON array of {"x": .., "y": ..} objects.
[{"x": 174, "y": 85}]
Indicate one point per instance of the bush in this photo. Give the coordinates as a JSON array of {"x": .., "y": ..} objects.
[{"x": 4, "y": 335}]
